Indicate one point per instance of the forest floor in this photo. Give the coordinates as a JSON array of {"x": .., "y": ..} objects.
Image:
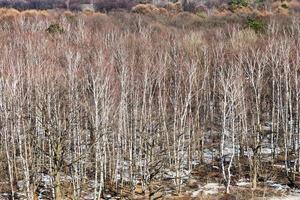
[{"x": 292, "y": 196}]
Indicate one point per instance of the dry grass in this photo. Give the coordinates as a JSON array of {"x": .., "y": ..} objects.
[
  {"x": 35, "y": 13},
  {"x": 30, "y": 13},
  {"x": 236, "y": 194},
  {"x": 96, "y": 20},
  {"x": 244, "y": 11},
  {"x": 149, "y": 9},
  {"x": 145, "y": 9},
  {"x": 174, "y": 7},
  {"x": 158, "y": 28},
  {"x": 283, "y": 7},
  {"x": 194, "y": 40},
  {"x": 14, "y": 14},
  {"x": 220, "y": 13},
  {"x": 69, "y": 14},
  {"x": 243, "y": 39},
  {"x": 262, "y": 13},
  {"x": 282, "y": 11},
  {"x": 170, "y": 14},
  {"x": 9, "y": 14},
  {"x": 10, "y": 11},
  {"x": 186, "y": 19}
]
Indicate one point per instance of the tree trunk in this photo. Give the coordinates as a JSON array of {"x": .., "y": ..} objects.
[
  {"x": 254, "y": 173},
  {"x": 57, "y": 186}
]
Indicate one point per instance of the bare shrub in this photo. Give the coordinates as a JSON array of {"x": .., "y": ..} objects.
[
  {"x": 194, "y": 40},
  {"x": 30, "y": 13},
  {"x": 186, "y": 19},
  {"x": 9, "y": 13},
  {"x": 244, "y": 11},
  {"x": 101, "y": 105},
  {"x": 173, "y": 7},
  {"x": 243, "y": 39},
  {"x": 158, "y": 28},
  {"x": 145, "y": 9},
  {"x": 149, "y": 9},
  {"x": 69, "y": 14}
]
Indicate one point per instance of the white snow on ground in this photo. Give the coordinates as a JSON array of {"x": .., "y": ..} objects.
[
  {"x": 266, "y": 150},
  {"x": 282, "y": 166},
  {"x": 243, "y": 183},
  {"x": 4, "y": 195},
  {"x": 293, "y": 196},
  {"x": 183, "y": 174},
  {"x": 196, "y": 193},
  {"x": 208, "y": 155},
  {"x": 277, "y": 186},
  {"x": 212, "y": 188},
  {"x": 215, "y": 188},
  {"x": 89, "y": 196},
  {"x": 208, "y": 189},
  {"x": 289, "y": 197}
]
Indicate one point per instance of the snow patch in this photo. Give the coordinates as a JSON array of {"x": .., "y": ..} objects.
[
  {"x": 208, "y": 189},
  {"x": 243, "y": 183},
  {"x": 277, "y": 186}
]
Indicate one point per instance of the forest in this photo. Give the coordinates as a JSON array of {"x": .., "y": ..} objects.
[{"x": 154, "y": 102}]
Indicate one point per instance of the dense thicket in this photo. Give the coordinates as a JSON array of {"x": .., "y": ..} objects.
[{"x": 115, "y": 103}]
